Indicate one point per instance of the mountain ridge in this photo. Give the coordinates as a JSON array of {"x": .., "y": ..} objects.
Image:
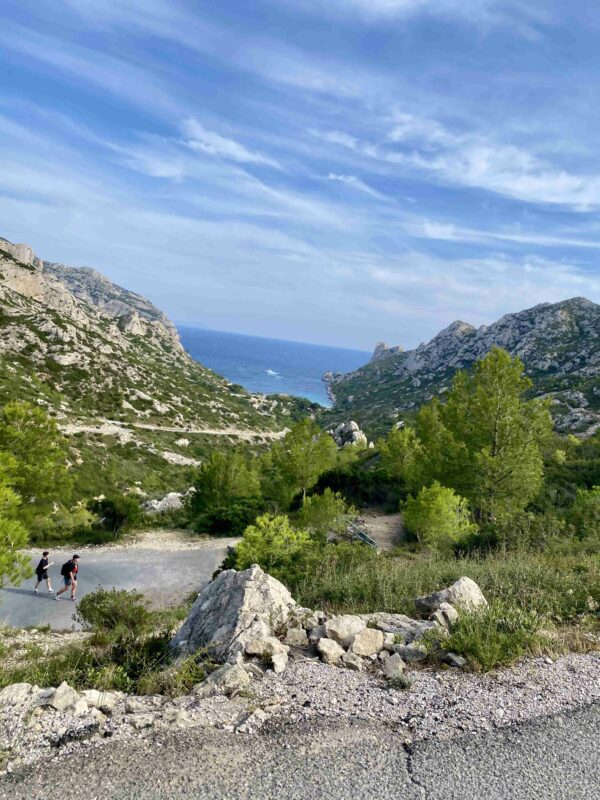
[
  {"x": 559, "y": 343},
  {"x": 108, "y": 365}
]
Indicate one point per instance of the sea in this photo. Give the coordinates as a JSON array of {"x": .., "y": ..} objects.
[{"x": 270, "y": 365}]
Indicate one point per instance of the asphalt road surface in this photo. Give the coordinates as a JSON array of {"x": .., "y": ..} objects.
[
  {"x": 163, "y": 575},
  {"x": 556, "y": 758}
]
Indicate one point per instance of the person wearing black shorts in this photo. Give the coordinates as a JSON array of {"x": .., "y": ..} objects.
[{"x": 41, "y": 572}]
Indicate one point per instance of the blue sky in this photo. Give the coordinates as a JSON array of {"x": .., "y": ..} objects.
[{"x": 336, "y": 172}]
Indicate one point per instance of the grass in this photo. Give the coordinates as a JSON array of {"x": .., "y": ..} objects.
[
  {"x": 128, "y": 650},
  {"x": 539, "y": 601}
]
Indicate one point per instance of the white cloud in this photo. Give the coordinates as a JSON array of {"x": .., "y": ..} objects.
[
  {"x": 212, "y": 143},
  {"x": 356, "y": 183},
  {"x": 418, "y": 144},
  {"x": 477, "y": 290}
]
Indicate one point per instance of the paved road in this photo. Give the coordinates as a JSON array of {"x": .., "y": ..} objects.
[
  {"x": 162, "y": 575},
  {"x": 556, "y": 758}
]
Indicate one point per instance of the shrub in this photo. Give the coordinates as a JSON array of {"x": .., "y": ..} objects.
[
  {"x": 230, "y": 520},
  {"x": 585, "y": 513},
  {"x": 117, "y": 512},
  {"x": 273, "y": 544},
  {"x": 438, "y": 517},
  {"x": 495, "y": 636},
  {"x": 325, "y": 514},
  {"x": 115, "y": 611}
]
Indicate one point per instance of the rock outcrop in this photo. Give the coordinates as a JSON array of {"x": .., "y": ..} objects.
[
  {"x": 237, "y": 608},
  {"x": 348, "y": 434},
  {"x": 558, "y": 343}
]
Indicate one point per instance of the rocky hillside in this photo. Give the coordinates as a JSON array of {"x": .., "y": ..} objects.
[
  {"x": 110, "y": 367},
  {"x": 558, "y": 343}
]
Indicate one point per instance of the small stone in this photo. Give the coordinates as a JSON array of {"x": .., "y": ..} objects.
[
  {"x": 140, "y": 721},
  {"x": 279, "y": 662},
  {"x": 330, "y": 651},
  {"x": 296, "y": 637},
  {"x": 63, "y": 697},
  {"x": 80, "y": 708},
  {"x": 251, "y": 722},
  {"x": 352, "y": 661},
  {"x": 454, "y": 660},
  {"x": 393, "y": 666},
  {"x": 316, "y": 633},
  {"x": 368, "y": 642},
  {"x": 389, "y": 640},
  {"x": 265, "y": 647}
]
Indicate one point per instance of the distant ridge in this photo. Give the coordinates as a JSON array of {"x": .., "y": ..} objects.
[{"x": 559, "y": 344}]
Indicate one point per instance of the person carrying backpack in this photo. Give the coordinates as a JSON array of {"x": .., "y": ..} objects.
[
  {"x": 41, "y": 572},
  {"x": 69, "y": 572}
]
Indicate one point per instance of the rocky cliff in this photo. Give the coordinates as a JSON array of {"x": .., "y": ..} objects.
[
  {"x": 559, "y": 344},
  {"x": 110, "y": 367}
]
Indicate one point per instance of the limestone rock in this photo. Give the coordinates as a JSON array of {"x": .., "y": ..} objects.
[
  {"x": 228, "y": 679},
  {"x": 446, "y": 615},
  {"x": 316, "y": 633},
  {"x": 352, "y": 661},
  {"x": 15, "y": 693},
  {"x": 105, "y": 701},
  {"x": 296, "y": 637},
  {"x": 454, "y": 660},
  {"x": 330, "y": 651},
  {"x": 463, "y": 594},
  {"x": 368, "y": 642},
  {"x": 232, "y": 610},
  {"x": 63, "y": 697},
  {"x": 399, "y": 625},
  {"x": 411, "y": 653},
  {"x": 393, "y": 666},
  {"x": 344, "y": 628}
]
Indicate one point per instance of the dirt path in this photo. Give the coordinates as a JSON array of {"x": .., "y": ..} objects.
[
  {"x": 109, "y": 427},
  {"x": 386, "y": 529}
]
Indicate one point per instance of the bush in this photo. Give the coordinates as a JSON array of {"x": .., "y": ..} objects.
[
  {"x": 129, "y": 651},
  {"x": 585, "y": 513},
  {"x": 438, "y": 517},
  {"x": 273, "y": 544},
  {"x": 115, "y": 611},
  {"x": 495, "y": 636},
  {"x": 325, "y": 514},
  {"x": 116, "y": 513},
  {"x": 230, "y": 520}
]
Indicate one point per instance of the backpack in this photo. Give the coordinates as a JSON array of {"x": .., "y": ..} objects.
[{"x": 66, "y": 569}]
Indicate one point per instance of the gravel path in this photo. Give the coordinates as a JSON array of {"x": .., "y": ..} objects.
[{"x": 553, "y": 759}]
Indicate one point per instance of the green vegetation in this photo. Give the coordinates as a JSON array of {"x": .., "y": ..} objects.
[
  {"x": 127, "y": 650},
  {"x": 486, "y": 489},
  {"x": 438, "y": 517}
]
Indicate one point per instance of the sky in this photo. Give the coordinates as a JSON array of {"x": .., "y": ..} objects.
[{"x": 337, "y": 172}]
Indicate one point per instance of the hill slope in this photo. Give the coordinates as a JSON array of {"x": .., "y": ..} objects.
[
  {"x": 558, "y": 343},
  {"x": 110, "y": 367}
]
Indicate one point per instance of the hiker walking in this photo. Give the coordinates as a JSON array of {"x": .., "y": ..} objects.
[
  {"x": 41, "y": 572},
  {"x": 69, "y": 572}
]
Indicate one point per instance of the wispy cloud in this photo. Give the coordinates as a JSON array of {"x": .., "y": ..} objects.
[
  {"x": 200, "y": 138},
  {"x": 355, "y": 183}
]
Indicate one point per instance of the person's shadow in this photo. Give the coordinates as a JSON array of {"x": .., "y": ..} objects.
[{"x": 45, "y": 594}]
